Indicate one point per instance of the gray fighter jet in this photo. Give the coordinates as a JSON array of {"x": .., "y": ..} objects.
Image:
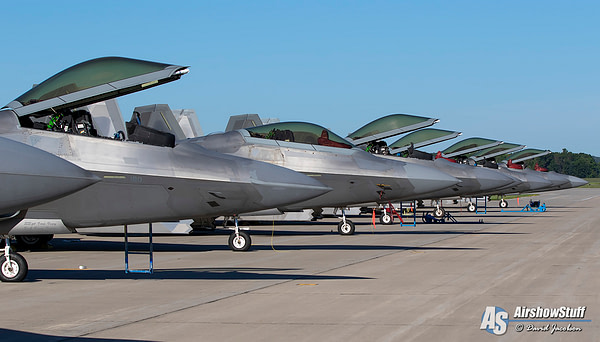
[
  {"x": 143, "y": 176},
  {"x": 473, "y": 180},
  {"x": 468, "y": 151},
  {"x": 355, "y": 176}
]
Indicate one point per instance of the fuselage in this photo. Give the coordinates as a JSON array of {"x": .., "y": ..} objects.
[
  {"x": 354, "y": 175},
  {"x": 474, "y": 181},
  {"x": 144, "y": 183}
]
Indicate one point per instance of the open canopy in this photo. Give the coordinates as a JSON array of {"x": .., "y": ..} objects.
[
  {"x": 299, "y": 132},
  {"x": 420, "y": 138},
  {"x": 527, "y": 154},
  {"x": 93, "y": 81},
  {"x": 469, "y": 145},
  {"x": 389, "y": 126},
  {"x": 496, "y": 151}
]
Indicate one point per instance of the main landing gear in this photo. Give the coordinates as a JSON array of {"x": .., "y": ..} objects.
[
  {"x": 33, "y": 241},
  {"x": 239, "y": 241},
  {"x": 471, "y": 207},
  {"x": 345, "y": 227},
  {"x": 503, "y": 203},
  {"x": 13, "y": 267}
]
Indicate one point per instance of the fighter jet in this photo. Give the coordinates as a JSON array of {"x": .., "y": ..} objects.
[
  {"x": 473, "y": 180},
  {"x": 557, "y": 181},
  {"x": 143, "y": 176},
  {"x": 467, "y": 151},
  {"x": 354, "y": 175},
  {"x": 538, "y": 180}
]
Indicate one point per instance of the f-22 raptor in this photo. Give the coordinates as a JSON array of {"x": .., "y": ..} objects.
[{"x": 138, "y": 176}]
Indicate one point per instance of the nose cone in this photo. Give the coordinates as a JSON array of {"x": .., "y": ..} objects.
[
  {"x": 576, "y": 181},
  {"x": 428, "y": 179},
  {"x": 280, "y": 186},
  {"x": 490, "y": 179},
  {"x": 31, "y": 176}
]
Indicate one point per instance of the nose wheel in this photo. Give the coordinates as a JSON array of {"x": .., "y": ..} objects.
[
  {"x": 386, "y": 218},
  {"x": 13, "y": 267},
  {"x": 471, "y": 207},
  {"x": 239, "y": 241},
  {"x": 345, "y": 227},
  {"x": 439, "y": 212},
  {"x": 503, "y": 203}
]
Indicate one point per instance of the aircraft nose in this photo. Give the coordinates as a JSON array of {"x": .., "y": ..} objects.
[
  {"x": 576, "y": 181},
  {"x": 557, "y": 180},
  {"x": 427, "y": 179},
  {"x": 31, "y": 176},
  {"x": 281, "y": 186},
  {"x": 490, "y": 179},
  {"x": 536, "y": 182}
]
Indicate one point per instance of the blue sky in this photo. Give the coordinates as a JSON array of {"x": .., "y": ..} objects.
[{"x": 519, "y": 71}]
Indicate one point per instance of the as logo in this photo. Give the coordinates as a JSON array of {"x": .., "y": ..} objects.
[{"x": 494, "y": 320}]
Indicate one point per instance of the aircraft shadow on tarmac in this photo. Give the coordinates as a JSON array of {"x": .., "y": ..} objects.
[
  {"x": 360, "y": 248},
  {"x": 233, "y": 273},
  {"x": 17, "y": 335},
  {"x": 107, "y": 246}
]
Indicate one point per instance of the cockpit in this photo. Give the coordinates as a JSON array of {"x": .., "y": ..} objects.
[
  {"x": 299, "y": 132},
  {"x": 62, "y": 102}
]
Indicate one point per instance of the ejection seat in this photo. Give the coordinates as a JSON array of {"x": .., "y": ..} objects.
[{"x": 325, "y": 141}]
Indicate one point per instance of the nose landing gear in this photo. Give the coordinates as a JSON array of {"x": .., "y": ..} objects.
[{"x": 13, "y": 267}]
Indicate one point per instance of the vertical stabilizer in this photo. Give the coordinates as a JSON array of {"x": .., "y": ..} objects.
[
  {"x": 188, "y": 121},
  {"x": 243, "y": 121}
]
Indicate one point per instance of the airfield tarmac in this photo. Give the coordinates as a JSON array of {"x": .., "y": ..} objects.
[{"x": 304, "y": 282}]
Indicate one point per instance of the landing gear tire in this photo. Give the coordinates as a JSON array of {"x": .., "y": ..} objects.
[
  {"x": 471, "y": 207},
  {"x": 386, "y": 218},
  {"x": 439, "y": 212},
  {"x": 15, "y": 270},
  {"x": 503, "y": 204},
  {"x": 240, "y": 242},
  {"x": 346, "y": 228},
  {"x": 33, "y": 241}
]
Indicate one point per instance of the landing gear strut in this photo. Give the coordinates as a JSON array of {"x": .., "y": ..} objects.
[
  {"x": 345, "y": 227},
  {"x": 239, "y": 241},
  {"x": 13, "y": 267}
]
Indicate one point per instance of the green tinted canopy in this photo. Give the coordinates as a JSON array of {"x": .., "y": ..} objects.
[
  {"x": 469, "y": 145},
  {"x": 389, "y": 126},
  {"x": 496, "y": 151},
  {"x": 93, "y": 81},
  {"x": 299, "y": 132},
  {"x": 420, "y": 138},
  {"x": 527, "y": 154}
]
